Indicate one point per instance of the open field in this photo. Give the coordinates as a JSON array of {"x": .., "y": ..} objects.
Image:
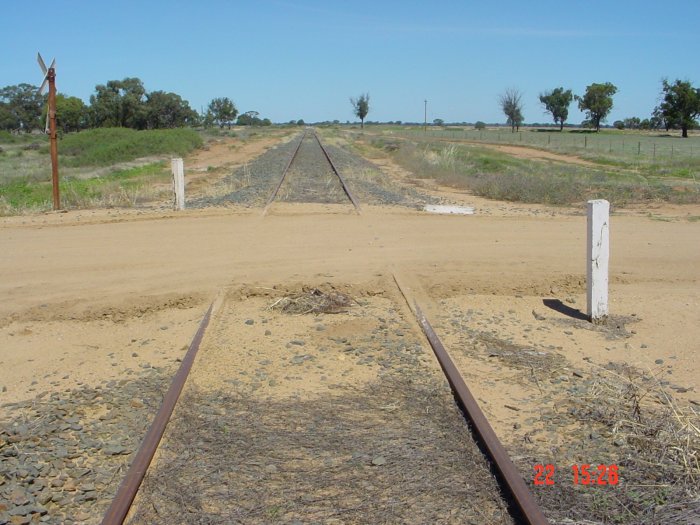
[
  {"x": 515, "y": 172},
  {"x": 654, "y": 155},
  {"x": 632, "y": 147},
  {"x": 97, "y": 305}
]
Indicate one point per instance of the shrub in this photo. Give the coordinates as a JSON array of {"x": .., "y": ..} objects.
[
  {"x": 480, "y": 125},
  {"x": 106, "y": 146}
]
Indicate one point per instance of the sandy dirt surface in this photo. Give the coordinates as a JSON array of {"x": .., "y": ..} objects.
[
  {"x": 88, "y": 296},
  {"x": 56, "y": 273}
]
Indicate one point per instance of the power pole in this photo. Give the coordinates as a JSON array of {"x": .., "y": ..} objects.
[
  {"x": 50, "y": 78},
  {"x": 425, "y": 116}
]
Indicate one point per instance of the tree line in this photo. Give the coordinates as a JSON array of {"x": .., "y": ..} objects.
[
  {"x": 118, "y": 103},
  {"x": 678, "y": 109}
]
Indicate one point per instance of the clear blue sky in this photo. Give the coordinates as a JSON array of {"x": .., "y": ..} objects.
[{"x": 291, "y": 59}]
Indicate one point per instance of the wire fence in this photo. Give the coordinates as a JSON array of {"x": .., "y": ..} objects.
[{"x": 623, "y": 147}]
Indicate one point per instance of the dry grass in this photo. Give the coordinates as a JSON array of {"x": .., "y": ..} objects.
[
  {"x": 638, "y": 410},
  {"x": 645, "y": 432},
  {"x": 391, "y": 452},
  {"x": 496, "y": 175},
  {"x": 313, "y": 301}
]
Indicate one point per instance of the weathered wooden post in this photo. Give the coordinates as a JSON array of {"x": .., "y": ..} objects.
[
  {"x": 178, "y": 169},
  {"x": 50, "y": 80},
  {"x": 598, "y": 256}
]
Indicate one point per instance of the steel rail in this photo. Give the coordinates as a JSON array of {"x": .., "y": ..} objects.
[
  {"x": 284, "y": 174},
  {"x": 337, "y": 172},
  {"x": 121, "y": 504},
  {"x": 530, "y": 512}
]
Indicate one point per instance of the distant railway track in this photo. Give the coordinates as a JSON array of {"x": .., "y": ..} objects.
[
  {"x": 311, "y": 142},
  {"x": 522, "y": 505}
]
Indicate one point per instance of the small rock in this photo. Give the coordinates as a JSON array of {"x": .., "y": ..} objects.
[
  {"x": 538, "y": 316},
  {"x": 659, "y": 361},
  {"x": 297, "y": 342},
  {"x": 378, "y": 461},
  {"x": 249, "y": 322},
  {"x": 115, "y": 450},
  {"x": 268, "y": 332},
  {"x": 19, "y": 498}
]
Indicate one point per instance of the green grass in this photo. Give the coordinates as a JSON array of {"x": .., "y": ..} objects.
[
  {"x": 108, "y": 146},
  {"x": 120, "y": 188},
  {"x": 10, "y": 138}
]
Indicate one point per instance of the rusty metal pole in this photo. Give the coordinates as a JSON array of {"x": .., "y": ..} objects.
[{"x": 53, "y": 138}]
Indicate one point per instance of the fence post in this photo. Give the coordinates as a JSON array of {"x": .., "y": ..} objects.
[
  {"x": 598, "y": 256},
  {"x": 639, "y": 148},
  {"x": 178, "y": 169},
  {"x": 585, "y": 142}
]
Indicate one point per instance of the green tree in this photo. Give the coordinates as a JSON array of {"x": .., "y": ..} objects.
[
  {"x": 556, "y": 102},
  {"x": 168, "y": 110},
  {"x": 632, "y": 123},
  {"x": 8, "y": 120},
  {"x": 22, "y": 105},
  {"x": 512, "y": 105},
  {"x": 438, "y": 122},
  {"x": 119, "y": 103},
  {"x": 480, "y": 125},
  {"x": 249, "y": 118},
  {"x": 597, "y": 102},
  {"x": 361, "y": 107},
  {"x": 222, "y": 111},
  {"x": 71, "y": 113},
  {"x": 680, "y": 105},
  {"x": 658, "y": 120}
]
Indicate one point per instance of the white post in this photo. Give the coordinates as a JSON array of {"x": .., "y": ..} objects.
[
  {"x": 598, "y": 257},
  {"x": 178, "y": 169}
]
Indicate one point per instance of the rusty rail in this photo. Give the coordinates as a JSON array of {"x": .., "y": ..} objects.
[
  {"x": 512, "y": 481},
  {"x": 340, "y": 177},
  {"x": 121, "y": 503},
  {"x": 284, "y": 174}
]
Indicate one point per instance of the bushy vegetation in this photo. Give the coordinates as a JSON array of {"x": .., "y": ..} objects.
[{"x": 107, "y": 146}]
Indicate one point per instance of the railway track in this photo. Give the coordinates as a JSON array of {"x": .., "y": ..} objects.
[
  {"x": 519, "y": 501},
  {"x": 316, "y": 177},
  {"x": 358, "y": 414}
]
